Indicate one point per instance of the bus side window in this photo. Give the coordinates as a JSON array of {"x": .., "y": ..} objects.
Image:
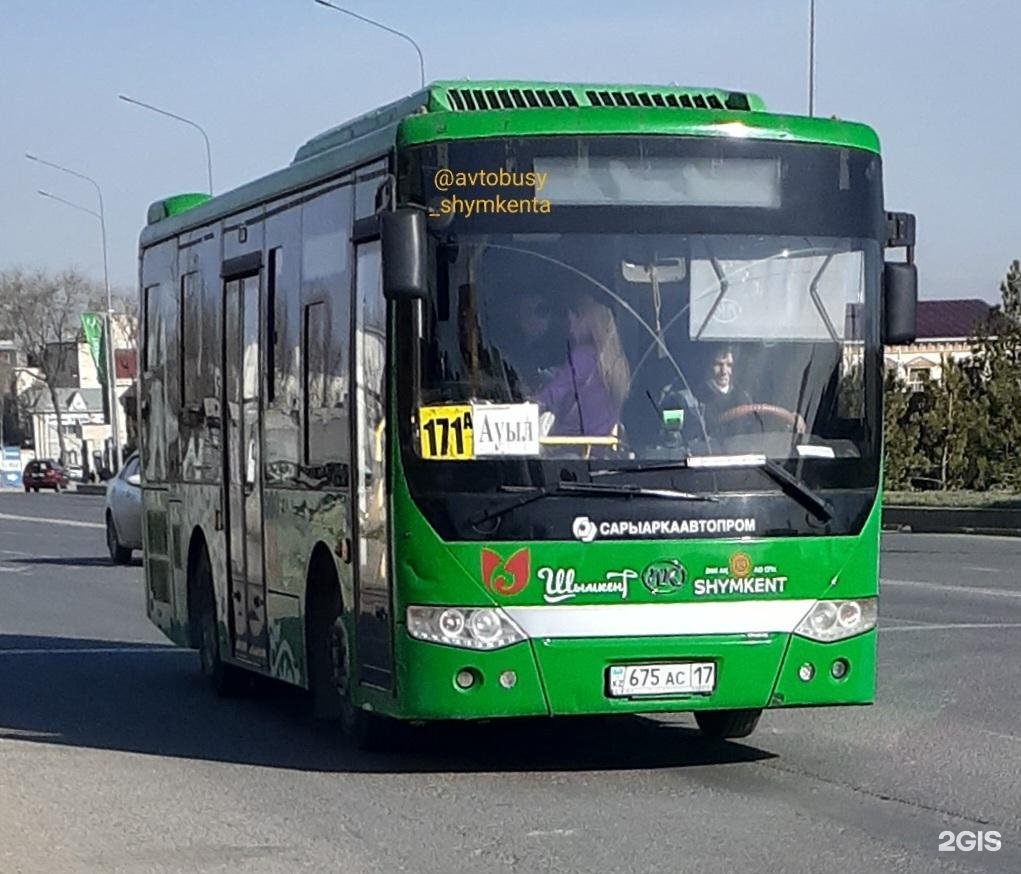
[
  {"x": 152, "y": 354},
  {"x": 273, "y": 278},
  {"x": 314, "y": 358},
  {"x": 191, "y": 365}
]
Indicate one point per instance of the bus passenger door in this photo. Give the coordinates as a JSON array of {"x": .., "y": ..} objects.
[
  {"x": 371, "y": 522},
  {"x": 242, "y": 475}
]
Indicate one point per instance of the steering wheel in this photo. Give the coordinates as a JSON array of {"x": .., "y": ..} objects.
[{"x": 745, "y": 411}]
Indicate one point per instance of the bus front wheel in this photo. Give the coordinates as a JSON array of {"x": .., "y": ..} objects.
[
  {"x": 720, "y": 724},
  {"x": 331, "y": 677}
]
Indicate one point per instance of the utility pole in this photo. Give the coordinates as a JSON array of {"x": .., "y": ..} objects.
[
  {"x": 811, "y": 57},
  {"x": 111, "y": 376}
]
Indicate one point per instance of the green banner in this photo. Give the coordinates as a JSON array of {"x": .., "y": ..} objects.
[
  {"x": 95, "y": 335},
  {"x": 92, "y": 328}
]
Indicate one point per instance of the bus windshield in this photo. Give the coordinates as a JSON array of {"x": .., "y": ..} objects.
[
  {"x": 650, "y": 346},
  {"x": 632, "y": 302}
]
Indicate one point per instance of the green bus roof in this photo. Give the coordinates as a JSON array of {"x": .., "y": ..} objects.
[{"x": 450, "y": 110}]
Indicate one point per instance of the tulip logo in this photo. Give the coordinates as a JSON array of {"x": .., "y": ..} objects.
[{"x": 505, "y": 577}]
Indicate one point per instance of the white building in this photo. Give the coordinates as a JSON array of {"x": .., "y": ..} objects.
[
  {"x": 80, "y": 398},
  {"x": 81, "y": 414},
  {"x": 945, "y": 328}
]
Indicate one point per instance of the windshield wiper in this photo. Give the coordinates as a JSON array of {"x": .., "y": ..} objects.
[
  {"x": 640, "y": 491},
  {"x": 534, "y": 493},
  {"x": 790, "y": 484}
]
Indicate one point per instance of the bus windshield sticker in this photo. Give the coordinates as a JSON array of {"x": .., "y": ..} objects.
[
  {"x": 505, "y": 429},
  {"x": 445, "y": 433},
  {"x": 586, "y": 530}
]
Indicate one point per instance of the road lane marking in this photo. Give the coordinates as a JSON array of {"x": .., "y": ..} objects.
[
  {"x": 943, "y": 626},
  {"x": 72, "y": 522},
  {"x": 997, "y": 734},
  {"x": 94, "y": 650},
  {"x": 964, "y": 590}
]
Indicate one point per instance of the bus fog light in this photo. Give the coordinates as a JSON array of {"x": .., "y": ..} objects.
[
  {"x": 834, "y": 620},
  {"x": 839, "y": 669},
  {"x": 806, "y": 672},
  {"x": 464, "y": 679},
  {"x": 508, "y": 679},
  {"x": 467, "y": 627}
]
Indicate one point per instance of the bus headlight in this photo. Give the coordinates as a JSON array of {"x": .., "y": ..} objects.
[
  {"x": 834, "y": 620},
  {"x": 467, "y": 627}
]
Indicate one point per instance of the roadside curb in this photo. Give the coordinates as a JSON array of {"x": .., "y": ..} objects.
[
  {"x": 90, "y": 489},
  {"x": 942, "y": 520}
]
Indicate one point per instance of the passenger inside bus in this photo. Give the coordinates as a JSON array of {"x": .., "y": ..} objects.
[
  {"x": 536, "y": 343},
  {"x": 585, "y": 394}
]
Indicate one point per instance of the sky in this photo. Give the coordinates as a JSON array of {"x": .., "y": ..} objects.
[{"x": 937, "y": 79}]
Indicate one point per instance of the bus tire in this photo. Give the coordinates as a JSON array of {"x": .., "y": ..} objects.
[
  {"x": 118, "y": 553},
  {"x": 226, "y": 680},
  {"x": 330, "y": 670},
  {"x": 720, "y": 724}
]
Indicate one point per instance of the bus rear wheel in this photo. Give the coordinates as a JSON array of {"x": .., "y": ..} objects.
[
  {"x": 226, "y": 680},
  {"x": 331, "y": 670},
  {"x": 720, "y": 724}
]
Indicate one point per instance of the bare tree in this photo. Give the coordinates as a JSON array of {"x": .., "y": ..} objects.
[
  {"x": 125, "y": 304},
  {"x": 125, "y": 310},
  {"x": 42, "y": 313}
]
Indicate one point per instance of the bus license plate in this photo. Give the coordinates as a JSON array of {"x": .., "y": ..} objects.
[{"x": 671, "y": 678}]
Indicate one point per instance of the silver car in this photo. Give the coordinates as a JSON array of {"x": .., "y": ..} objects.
[{"x": 124, "y": 512}]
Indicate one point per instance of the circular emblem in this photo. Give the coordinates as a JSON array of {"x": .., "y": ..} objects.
[
  {"x": 584, "y": 529},
  {"x": 740, "y": 565},
  {"x": 664, "y": 577}
]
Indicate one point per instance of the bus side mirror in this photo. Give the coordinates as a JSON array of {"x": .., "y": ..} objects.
[
  {"x": 900, "y": 301},
  {"x": 404, "y": 253},
  {"x": 900, "y": 282}
]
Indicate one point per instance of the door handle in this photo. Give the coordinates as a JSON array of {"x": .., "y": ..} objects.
[{"x": 237, "y": 596}]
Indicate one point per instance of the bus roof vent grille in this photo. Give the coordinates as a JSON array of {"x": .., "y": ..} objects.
[
  {"x": 674, "y": 100},
  {"x": 474, "y": 99},
  {"x": 480, "y": 96}
]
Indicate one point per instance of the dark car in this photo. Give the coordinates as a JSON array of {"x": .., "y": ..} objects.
[{"x": 44, "y": 473}]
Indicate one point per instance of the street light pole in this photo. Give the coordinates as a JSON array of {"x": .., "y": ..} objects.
[
  {"x": 111, "y": 376},
  {"x": 395, "y": 32},
  {"x": 181, "y": 118},
  {"x": 811, "y": 57}
]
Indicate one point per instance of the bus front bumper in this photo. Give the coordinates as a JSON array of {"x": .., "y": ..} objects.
[{"x": 568, "y": 676}]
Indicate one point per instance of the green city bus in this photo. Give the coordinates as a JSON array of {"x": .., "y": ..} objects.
[{"x": 529, "y": 399}]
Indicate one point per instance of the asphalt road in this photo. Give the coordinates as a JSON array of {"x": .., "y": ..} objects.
[{"x": 114, "y": 756}]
